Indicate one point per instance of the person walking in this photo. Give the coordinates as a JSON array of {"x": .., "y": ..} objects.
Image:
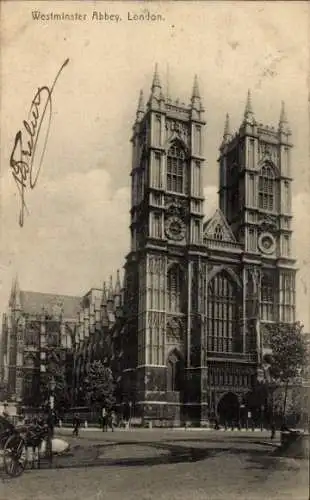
[
  {"x": 216, "y": 423},
  {"x": 112, "y": 420},
  {"x": 273, "y": 429},
  {"x": 76, "y": 425},
  {"x": 104, "y": 419}
]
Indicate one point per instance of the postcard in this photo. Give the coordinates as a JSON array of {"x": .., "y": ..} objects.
[{"x": 155, "y": 246}]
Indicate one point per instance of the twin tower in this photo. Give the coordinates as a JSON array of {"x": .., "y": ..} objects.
[{"x": 200, "y": 295}]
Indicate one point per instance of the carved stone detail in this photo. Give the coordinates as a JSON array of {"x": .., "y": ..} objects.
[
  {"x": 156, "y": 264},
  {"x": 177, "y": 129},
  {"x": 176, "y": 207},
  {"x": 268, "y": 151},
  {"x": 174, "y": 330}
]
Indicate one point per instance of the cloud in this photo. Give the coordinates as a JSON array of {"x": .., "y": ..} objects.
[
  {"x": 75, "y": 237},
  {"x": 211, "y": 201},
  {"x": 77, "y": 232}
]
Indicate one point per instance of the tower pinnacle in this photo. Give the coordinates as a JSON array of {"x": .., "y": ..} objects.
[
  {"x": 15, "y": 294},
  {"x": 156, "y": 81},
  {"x": 283, "y": 123},
  {"x": 227, "y": 133},
  {"x": 196, "y": 93},
  {"x": 141, "y": 108},
  {"x": 104, "y": 294},
  {"x": 196, "y": 99},
  {"x": 110, "y": 291},
  {"x": 117, "y": 290},
  {"x": 248, "y": 112}
]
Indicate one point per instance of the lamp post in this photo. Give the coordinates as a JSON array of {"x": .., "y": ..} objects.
[
  {"x": 52, "y": 386},
  {"x": 130, "y": 409},
  {"x": 50, "y": 418},
  {"x": 241, "y": 415}
]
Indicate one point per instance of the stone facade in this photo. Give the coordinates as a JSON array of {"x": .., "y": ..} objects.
[{"x": 200, "y": 296}]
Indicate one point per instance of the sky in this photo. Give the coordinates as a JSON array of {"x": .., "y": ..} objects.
[{"x": 76, "y": 233}]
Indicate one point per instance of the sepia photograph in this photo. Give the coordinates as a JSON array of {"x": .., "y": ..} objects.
[{"x": 155, "y": 250}]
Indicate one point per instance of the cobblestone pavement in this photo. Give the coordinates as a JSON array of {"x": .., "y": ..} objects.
[{"x": 164, "y": 465}]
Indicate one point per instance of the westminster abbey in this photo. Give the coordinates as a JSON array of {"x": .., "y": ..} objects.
[
  {"x": 186, "y": 333},
  {"x": 201, "y": 295}
]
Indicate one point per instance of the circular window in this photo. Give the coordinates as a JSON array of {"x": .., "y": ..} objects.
[
  {"x": 175, "y": 228},
  {"x": 266, "y": 243}
]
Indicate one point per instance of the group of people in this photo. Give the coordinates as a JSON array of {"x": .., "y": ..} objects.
[
  {"x": 108, "y": 420},
  {"x": 233, "y": 425}
]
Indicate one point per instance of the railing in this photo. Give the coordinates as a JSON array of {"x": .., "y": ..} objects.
[
  {"x": 240, "y": 356},
  {"x": 211, "y": 243}
]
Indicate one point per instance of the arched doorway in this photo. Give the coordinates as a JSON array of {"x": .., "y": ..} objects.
[{"x": 228, "y": 409}]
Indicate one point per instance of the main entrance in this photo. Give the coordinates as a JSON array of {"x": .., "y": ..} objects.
[{"x": 228, "y": 408}]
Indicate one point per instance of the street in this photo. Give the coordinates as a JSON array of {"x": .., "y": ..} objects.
[{"x": 162, "y": 465}]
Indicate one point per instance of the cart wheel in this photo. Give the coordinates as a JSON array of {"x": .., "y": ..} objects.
[{"x": 14, "y": 456}]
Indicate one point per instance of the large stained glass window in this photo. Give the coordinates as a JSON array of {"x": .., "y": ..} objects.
[
  {"x": 223, "y": 305},
  {"x": 176, "y": 169},
  {"x": 267, "y": 189}
]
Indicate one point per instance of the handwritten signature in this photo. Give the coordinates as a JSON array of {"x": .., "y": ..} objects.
[{"x": 27, "y": 146}]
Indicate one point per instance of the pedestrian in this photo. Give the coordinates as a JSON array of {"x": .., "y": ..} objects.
[
  {"x": 111, "y": 420},
  {"x": 50, "y": 422},
  {"x": 76, "y": 425},
  {"x": 104, "y": 420},
  {"x": 273, "y": 429},
  {"x": 216, "y": 423}
]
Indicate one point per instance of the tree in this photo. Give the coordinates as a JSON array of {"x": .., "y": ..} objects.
[
  {"x": 55, "y": 371},
  {"x": 288, "y": 358},
  {"x": 99, "y": 385}
]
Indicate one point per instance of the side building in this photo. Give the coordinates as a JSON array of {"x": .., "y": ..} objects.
[
  {"x": 99, "y": 319},
  {"x": 38, "y": 330},
  {"x": 45, "y": 335}
]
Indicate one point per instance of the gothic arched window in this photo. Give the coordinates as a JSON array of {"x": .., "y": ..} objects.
[
  {"x": 176, "y": 169},
  {"x": 218, "y": 232},
  {"x": 268, "y": 294},
  {"x": 223, "y": 324},
  {"x": 267, "y": 189},
  {"x": 175, "y": 288},
  {"x": 174, "y": 372}
]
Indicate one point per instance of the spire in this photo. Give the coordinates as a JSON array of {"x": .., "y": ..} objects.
[
  {"x": 156, "y": 81},
  {"x": 110, "y": 291},
  {"x": 140, "y": 109},
  {"x": 195, "y": 93},
  {"x": 168, "y": 83},
  {"x": 104, "y": 294},
  {"x": 12, "y": 295},
  {"x": 15, "y": 294},
  {"x": 196, "y": 99},
  {"x": 117, "y": 290},
  {"x": 104, "y": 308},
  {"x": 227, "y": 133},
  {"x": 283, "y": 123},
  {"x": 248, "y": 106},
  {"x": 248, "y": 112}
]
